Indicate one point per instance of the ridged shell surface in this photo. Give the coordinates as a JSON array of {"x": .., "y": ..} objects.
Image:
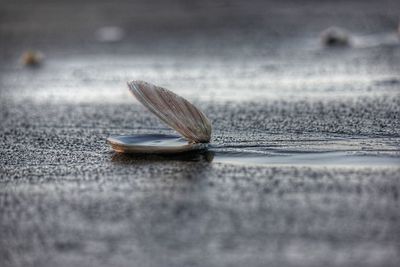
[{"x": 174, "y": 110}]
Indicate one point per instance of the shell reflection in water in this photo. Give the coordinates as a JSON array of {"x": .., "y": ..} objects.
[
  {"x": 173, "y": 110},
  {"x": 189, "y": 156}
]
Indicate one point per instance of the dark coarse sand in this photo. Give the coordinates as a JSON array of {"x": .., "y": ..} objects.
[{"x": 304, "y": 167}]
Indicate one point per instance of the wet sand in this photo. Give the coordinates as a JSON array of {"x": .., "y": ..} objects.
[{"x": 303, "y": 169}]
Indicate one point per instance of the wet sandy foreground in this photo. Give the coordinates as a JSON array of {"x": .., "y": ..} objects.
[{"x": 303, "y": 167}]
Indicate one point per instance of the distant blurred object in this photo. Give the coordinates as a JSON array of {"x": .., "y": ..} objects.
[
  {"x": 110, "y": 34},
  {"x": 398, "y": 30},
  {"x": 334, "y": 37},
  {"x": 32, "y": 58}
]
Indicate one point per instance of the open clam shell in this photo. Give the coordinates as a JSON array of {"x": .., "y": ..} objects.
[{"x": 176, "y": 112}]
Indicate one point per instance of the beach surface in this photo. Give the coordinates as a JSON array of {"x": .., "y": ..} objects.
[{"x": 304, "y": 164}]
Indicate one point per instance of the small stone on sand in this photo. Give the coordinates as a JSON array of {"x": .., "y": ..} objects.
[
  {"x": 110, "y": 34},
  {"x": 334, "y": 36},
  {"x": 32, "y": 58}
]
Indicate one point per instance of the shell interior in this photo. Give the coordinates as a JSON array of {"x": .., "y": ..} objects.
[{"x": 152, "y": 143}]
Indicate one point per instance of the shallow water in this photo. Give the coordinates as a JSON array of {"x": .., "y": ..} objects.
[
  {"x": 354, "y": 151},
  {"x": 343, "y": 153},
  {"x": 307, "y": 159},
  {"x": 302, "y": 158}
]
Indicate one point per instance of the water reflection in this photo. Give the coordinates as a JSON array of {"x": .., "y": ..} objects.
[{"x": 193, "y": 156}]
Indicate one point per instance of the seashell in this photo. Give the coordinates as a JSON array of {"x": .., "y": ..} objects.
[
  {"x": 153, "y": 144},
  {"x": 176, "y": 112}
]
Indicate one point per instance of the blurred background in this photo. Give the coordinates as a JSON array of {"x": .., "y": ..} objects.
[{"x": 212, "y": 50}]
